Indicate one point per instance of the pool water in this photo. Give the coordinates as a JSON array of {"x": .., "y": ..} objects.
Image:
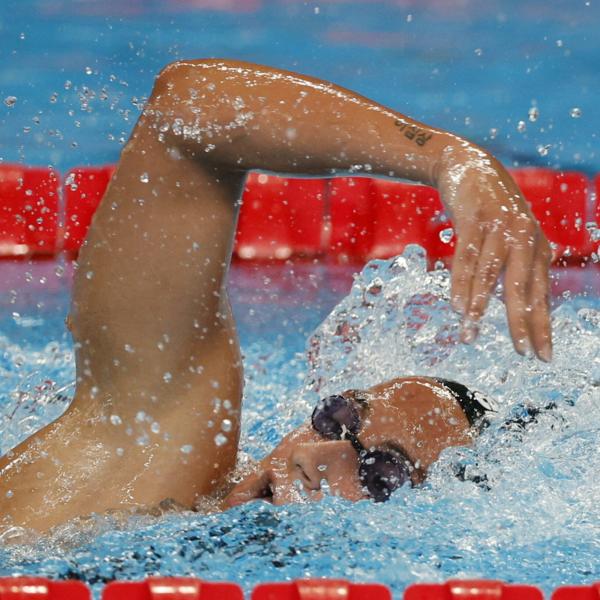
[
  {"x": 525, "y": 510},
  {"x": 518, "y": 76}
]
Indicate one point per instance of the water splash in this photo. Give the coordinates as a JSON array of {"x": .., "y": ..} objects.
[{"x": 524, "y": 506}]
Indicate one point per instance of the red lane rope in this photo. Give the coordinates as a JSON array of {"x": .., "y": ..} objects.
[
  {"x": 345, "y": 218},
  {"x": 190, "y": 588}
]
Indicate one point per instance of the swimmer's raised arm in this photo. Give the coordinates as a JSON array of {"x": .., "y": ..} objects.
[
  {"x": 157, "y": 402},
  {"x": 240, "y": 116}
]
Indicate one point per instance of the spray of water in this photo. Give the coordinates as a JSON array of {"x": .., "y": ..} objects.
[{"x": 521, "y": 504}]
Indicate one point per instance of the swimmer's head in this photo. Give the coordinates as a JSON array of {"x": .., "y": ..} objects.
[{"x": 350, "y": 448}]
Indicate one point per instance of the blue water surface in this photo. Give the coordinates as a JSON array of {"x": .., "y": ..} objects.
[
  {"x": 73, "y": 75},
  {"x": 80, "y": 69},
  {"x": 536, "y": 519}
]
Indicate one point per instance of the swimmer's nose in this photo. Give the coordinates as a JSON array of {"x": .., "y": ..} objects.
[{"x": 307, "y": 468}]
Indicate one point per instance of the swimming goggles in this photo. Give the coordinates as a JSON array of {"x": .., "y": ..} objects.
[{"x": 380, "y": 471}]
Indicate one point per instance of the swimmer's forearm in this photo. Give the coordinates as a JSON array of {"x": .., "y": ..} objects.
[{"x": 245, "y": 116}]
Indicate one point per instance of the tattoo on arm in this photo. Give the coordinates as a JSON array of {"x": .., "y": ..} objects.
[{"x": 420, "y": 136}]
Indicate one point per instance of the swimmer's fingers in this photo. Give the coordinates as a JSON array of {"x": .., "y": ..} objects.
[
  {"x": 464, "y": 263},
  {"x": 489, "y": 267},
  {"x": 519, "y": 271},
  {"x": 539, "y": 300}
]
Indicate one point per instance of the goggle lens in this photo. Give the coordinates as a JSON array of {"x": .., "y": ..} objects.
[
  {"x": 381, "y": 473},
  {"x": 334, "y": 413}
]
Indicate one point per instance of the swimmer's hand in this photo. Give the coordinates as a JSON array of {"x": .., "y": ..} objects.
[{"x": 496, "y": 233}]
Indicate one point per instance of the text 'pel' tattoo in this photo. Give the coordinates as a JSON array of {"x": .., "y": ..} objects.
[{"x": 420, "y": 136}]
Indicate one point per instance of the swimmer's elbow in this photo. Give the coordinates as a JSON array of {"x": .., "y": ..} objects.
[
  {"x": 182, "y": 76},
  {"x": 193, "y": 105}
]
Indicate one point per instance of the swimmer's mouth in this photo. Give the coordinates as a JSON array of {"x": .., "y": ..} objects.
[{"x": 266, "y": 493}]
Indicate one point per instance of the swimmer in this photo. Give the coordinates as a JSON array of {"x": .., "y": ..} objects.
[
  {"x": 367, "y": 444},
  {"x": 158, "y": 364}
]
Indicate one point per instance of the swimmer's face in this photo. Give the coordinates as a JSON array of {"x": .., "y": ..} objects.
[{"x": 304, "y": 463}]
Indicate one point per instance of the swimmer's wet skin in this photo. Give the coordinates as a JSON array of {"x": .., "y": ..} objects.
[
  {"x": 367, "y": 444},
  {"x": 151, "y": 320}
]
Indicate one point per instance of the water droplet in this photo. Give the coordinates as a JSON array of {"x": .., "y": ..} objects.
[
  {"x": 593, "y": 230},
  {"x": 89, "y": 274},
  {"x": 317, "y": 10},
  {"x": 226, "y": 425},
  {"x": 116, "y": 420},
  {"x": 534, "y": 113},
  {"x": 10, "y": 101},
  {"x": 155, "y": 427},
  {"x": 167, "y": 377},
  {"x": 446, "y": 235},
  {"x": 322, "y": 468},
  {"x": 521, "y": 126},
  {"x": 478, "y": 51},
  {"x": 9, "y": 494},
  {"x": 144, "y": 178},
  {"x": 68, "y": 84},
  {"x": 220, "y": 439},
  {"x": 129, "y": 349},
  {"x": 54, "y": 97},
  {"x": 543, "y": 150},
  {"x": 119, "y": 451},
  {"x": 493, "y": 133},
  {"x": 575, "y": 112},
  {"x": 140, "y": 417},
  {"x": 187, "y": 449},
  {"x": 88, "y": 70}
]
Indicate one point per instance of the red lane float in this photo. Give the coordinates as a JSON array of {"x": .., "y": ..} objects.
[
  {"x": 28, "y": 210},
  {"x": 84, "y": 188},
  {"x": 409, "y": 214},
  {"x": 350, "y": 225},
  {"x": 171, "y": 588},
  {"x": 321, "y": 589},
  {"x": 280, "y": 217},
  {"x": 346, "y": 218},
  {"x": 559, "y": 202},
  {"x": 576, "y": 592},
  {"x": 38, "y": 588},
  {"x": 472, "y": 590}
]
